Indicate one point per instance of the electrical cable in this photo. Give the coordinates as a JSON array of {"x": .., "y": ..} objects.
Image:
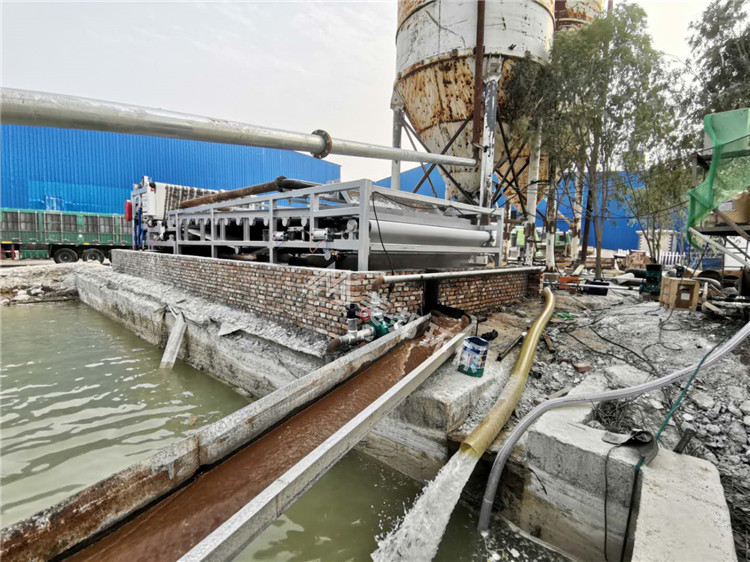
[{"x": 685, "y": 389}]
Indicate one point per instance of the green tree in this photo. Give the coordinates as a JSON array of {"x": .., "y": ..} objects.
[
  {"x": 607, "y": 108},
  {"x": 720, "y": 58}
]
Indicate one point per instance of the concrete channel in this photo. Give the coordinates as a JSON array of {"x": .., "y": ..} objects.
[
  {"x": 366, "y": 398},
  {"x": 401, "y": 415}
]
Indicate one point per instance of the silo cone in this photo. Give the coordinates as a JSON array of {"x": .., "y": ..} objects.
[{"x": 436, "y": 44}]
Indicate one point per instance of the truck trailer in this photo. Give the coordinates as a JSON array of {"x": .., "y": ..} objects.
[{"x": 62, "y": 235}]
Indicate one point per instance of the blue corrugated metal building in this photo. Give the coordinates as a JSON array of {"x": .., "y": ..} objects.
[
  {"x": 619, "y": 233},
  {"x": 92, "y": 171}
]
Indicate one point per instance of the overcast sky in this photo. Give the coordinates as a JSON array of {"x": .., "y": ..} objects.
[{"x": 298, "y": 66}]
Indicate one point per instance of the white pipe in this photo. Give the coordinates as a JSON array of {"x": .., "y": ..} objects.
[
  {"x": 719, "y": 247},
  {"x": 393, "y": 232},
  {"x": 396, "y": 164},
  {"x": 42, "y": 109},
  {"x": 487, "y": 159},
  {"x": 394, "y": 279},
  {"x": 603, "y": 396},
  {"x": 633, "y": 289},
  {"x": 535, "y": 154},
  {"x": 357, "y": 336}
]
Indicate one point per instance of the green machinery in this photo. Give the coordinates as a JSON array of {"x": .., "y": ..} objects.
[
  {"x": 652, "y": 283},
  {"x": 64, "y": 236}
]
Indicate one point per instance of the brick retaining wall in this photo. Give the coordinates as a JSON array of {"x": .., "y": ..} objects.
[{"x": 313, "y": 298}]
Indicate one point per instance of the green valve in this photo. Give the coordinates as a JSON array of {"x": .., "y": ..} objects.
[{"x": 565, "y": 315}]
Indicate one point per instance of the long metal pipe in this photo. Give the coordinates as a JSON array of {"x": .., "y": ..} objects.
[
  {"x": 632, "y": 289},
  {"x": 279, "y": 184},
  {"x": 604, "y": 396},
  {"x": 394, "y": 279},
  {"x": 42, "y": 109},
  {"x": 484, "y": 434}
]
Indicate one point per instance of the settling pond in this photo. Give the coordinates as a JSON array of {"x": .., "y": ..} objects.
[{"x": 82, "y": 397}]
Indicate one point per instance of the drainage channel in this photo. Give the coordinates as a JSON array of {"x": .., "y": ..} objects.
[{"x": 176, "y": 524}]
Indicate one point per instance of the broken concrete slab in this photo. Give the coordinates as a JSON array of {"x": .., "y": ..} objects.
[{"x": 174, "y": 342}]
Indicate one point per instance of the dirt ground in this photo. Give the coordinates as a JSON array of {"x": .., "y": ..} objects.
[{"x": 630, "y": 341}]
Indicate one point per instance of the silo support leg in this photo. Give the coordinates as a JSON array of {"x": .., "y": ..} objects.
[
  {"x": 396, "y": 164},
  {"x": 488, "y": 141}
]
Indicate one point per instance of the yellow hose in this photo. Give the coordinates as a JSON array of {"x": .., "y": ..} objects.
[{"x": 486, "y": 432}]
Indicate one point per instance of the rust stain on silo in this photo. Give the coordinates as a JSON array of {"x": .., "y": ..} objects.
[{"x": 408, "y": 7}]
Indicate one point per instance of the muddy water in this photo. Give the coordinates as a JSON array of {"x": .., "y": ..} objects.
[
  {"x": 176, "y": 524},
  {"x": 81, "y": 398},
  {"x": 340, "y": 517}
]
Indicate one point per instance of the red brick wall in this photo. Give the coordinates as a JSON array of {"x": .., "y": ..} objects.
[
  {"x": 314, "y": 298},
  {"x": 479, "y": 295}
]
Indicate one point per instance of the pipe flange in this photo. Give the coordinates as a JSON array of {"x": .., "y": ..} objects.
[{"x": 328, "y": 146}]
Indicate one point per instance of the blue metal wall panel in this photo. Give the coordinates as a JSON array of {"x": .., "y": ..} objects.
[
  {"x": 619, "y": 233},
  {"x": 410, "y": 179},
  {"x": 92, "y": 171}
]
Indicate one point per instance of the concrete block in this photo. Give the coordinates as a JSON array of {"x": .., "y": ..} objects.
[{"x": 682, "y": 513}]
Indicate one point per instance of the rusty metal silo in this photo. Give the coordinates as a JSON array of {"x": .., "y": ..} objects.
[
  {"x": 436, "y": 44},
  {"x": 575, "y": 13}
]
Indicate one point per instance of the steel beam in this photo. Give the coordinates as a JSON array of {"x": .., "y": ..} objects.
[{"x": 488, "y": 142}]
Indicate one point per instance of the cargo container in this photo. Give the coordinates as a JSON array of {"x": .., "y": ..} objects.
[{"x": 64, "y": 236}]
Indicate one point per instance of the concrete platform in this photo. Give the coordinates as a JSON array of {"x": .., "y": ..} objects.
[
  {"x": 557, "y": 489},
  {"x": 252, "y": 354},
  {"x": 682, "y": 513}
]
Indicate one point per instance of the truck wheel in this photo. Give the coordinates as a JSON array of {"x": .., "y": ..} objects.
[
  {"x": 65, "y": 255},
  {"x": 93, "y": 254}
]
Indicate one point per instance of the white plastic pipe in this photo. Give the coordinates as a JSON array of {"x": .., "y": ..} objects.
[
  {"x": 42, "y": 109},
  {"x": 535, "y": 155},
  {"x": 394, "y": 279},
  {"x": 393, "y": 232},
  {"x": 604, "y": 396}
]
